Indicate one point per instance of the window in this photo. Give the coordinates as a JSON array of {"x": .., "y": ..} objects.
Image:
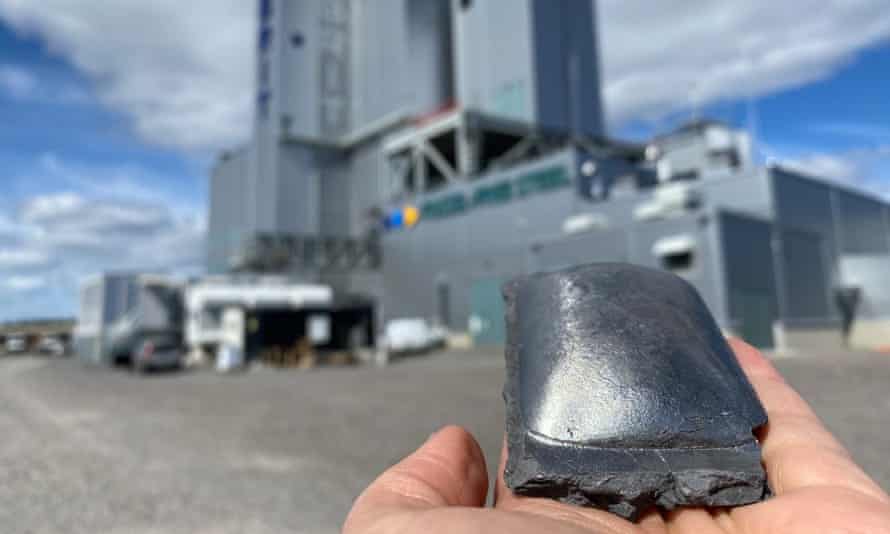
[
  {"x": 443, "y": 207},
  {"x": 676, "y": 253},
  {"x": 541, "y": 181},
  {"x": 265, "y": 10},
  {"x": 679, "y": 261},
  {"x": 443, "y": 301},
  {"x": 493, "y": 194},
  {"x": 265, "y": 38},
  {"x": 263, "y": 103}
]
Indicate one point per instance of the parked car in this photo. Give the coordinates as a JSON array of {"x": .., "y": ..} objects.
[
  {"x": 52, "y": 346},
  {"x": 161, "y": 351},
  {"x": 16, "y": 344},
  {"x": 409, "y": 336}
]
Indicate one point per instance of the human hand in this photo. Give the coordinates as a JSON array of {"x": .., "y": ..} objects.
[{"x": 442, "y": 487}]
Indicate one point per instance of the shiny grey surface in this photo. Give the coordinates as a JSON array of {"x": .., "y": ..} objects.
[
  {"x": 622, "y": 393},
  {"x": 627, "y": 356}
]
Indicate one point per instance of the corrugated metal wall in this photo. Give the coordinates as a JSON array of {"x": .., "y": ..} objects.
[
  {"x": 567, "y": 66},
  {"x": 806, "y": 268},
  {"x": 861, "y": 225},
  {"x": 821, "y": 225},
  {"x": 227, "y": 221},
  {"x": 495, "y": 66},
  {"x": 752, "y": 302},
  {"x": 295, "y": 79}
]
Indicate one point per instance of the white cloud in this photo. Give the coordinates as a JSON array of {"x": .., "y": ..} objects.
[
  {"x": 59, "y": 237},
  {"x": 64, "y": 214},
  {"x": 23, "y": 258},
  {"x": 853, "y": 168},
  {"x": 21, "y": 83},
  {"x": 24, "y": 284},
  {"x": 48, "y": 207},
  {"x": 661, "y": 57},
  {"x": 182, "y": 72},
  {"x": 830, "y": 166}
]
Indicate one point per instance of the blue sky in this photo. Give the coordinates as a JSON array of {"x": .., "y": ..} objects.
[{"x": 112, "y": 113}]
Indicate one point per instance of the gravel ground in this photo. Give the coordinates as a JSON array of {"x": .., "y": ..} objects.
[{"x": 93, "y": 451}]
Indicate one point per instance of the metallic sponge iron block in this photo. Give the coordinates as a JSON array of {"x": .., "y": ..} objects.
[{"x": 622, "y": 394}]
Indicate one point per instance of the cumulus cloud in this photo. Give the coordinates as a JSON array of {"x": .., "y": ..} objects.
[
  {"x": 53, "y": 240},
  {"x": 661, "y": 57},
  {"x": 108, "y": 233},
  {"x": 24, "y": 284},
  {"x": 22, "y": 258},
  {"x": 20, "y": 83},
  {"x": 69, "y": 213},
  {"x": 851, "y": 167},
  {"x": 183, "y": 73}
]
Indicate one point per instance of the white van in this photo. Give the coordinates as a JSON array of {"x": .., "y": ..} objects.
[{"x": 16, "y": 344}]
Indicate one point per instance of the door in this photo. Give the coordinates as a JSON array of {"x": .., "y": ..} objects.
[
  {"x": 754, "y": 317},
  {"x": 487, "y": 312}
]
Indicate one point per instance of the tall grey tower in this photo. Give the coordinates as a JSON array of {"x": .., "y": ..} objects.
[
  {"x": 337, "y": 79},
  {"x": 534, "y": 61}
]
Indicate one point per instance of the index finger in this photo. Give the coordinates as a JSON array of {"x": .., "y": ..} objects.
[{"x": 798, "y": 451}]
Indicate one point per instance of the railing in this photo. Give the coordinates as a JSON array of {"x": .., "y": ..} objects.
[{"x": 290, "y": 252}]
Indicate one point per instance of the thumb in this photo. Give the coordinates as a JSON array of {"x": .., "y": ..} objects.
[{"x": 448, "y": 470}]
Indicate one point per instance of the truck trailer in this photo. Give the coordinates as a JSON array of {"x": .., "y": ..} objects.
[{"x": 119, "y": 312}]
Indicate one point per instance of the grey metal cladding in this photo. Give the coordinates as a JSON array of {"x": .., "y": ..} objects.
[
  {"x": 802, "y": 203},
  {"x": 119, "y": 296},
  {"x": 608, "y": 245},
  {"x": 862, "y": 225},
  {"x": 748, "y": 192},
  {"x": 227, "y": 220},
  {"x": 296, "y": 198},
  {"x": 335, "y": 206},
  {"x": 701, "y": 273},
  {"x": 382, "y": 80},
  {"x": 368, "y": 179},
  {"x": 747, "y": 251},
  {"x": 430, "y": 52},
  {"x": 805, "y": 275},
  {"x": 494, "y": 57},
  {"x": 566, "y": 67},
  {"x": 746, "y": 244},
  {"x": 295, "y": 79}
]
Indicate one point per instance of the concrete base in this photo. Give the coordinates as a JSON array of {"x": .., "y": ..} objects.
[
  {"x": 871, "y": 334},
  {"x": 803, "y": 340}
]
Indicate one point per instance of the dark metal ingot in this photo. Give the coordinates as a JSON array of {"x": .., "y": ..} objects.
[{"x": 623, "y": 394}]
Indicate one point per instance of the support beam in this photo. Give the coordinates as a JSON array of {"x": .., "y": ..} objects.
[
  {"x": 438, "y": 161},
  {"x": 518, "y": 151}
]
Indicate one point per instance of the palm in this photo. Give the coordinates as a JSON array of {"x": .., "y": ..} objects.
[{"x": 442, "y": 487}]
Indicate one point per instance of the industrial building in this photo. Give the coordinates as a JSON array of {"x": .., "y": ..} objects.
[{"x": 421, "y": 152}]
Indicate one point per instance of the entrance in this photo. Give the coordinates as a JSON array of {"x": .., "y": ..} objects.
[{"x": 487, "y": 312}]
